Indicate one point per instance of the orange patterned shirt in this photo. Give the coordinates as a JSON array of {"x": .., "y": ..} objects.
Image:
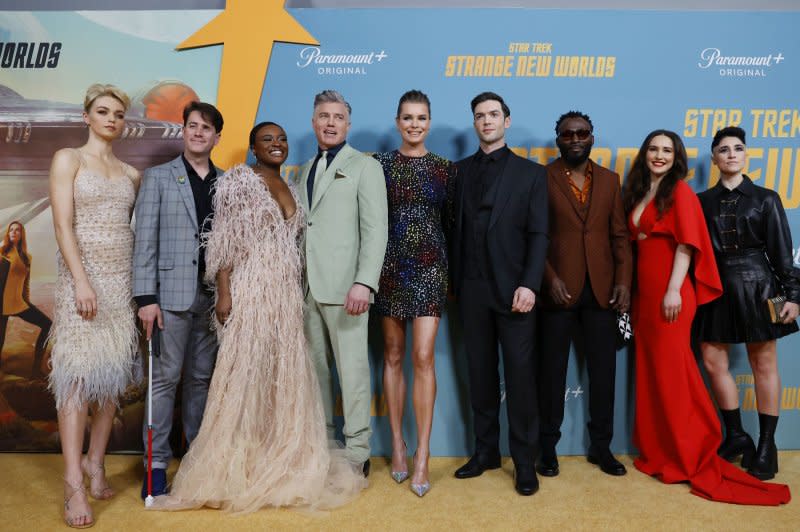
[{"x": 581, "y": 194}]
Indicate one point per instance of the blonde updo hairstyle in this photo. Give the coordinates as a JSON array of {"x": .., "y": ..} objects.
[{"x": 97, "y": 90}]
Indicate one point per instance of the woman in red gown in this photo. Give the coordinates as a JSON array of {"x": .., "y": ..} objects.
[{"x": 676, "y": 427}]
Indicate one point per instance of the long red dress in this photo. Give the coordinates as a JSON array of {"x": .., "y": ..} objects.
[{"x": 676, "y": 428}]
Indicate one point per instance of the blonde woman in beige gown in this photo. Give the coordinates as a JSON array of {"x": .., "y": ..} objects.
[
  {"x": 263, "y": 440},
  {"x": 94, "y": 333}
]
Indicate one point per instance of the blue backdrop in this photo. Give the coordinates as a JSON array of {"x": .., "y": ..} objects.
[{"x": 632, "y": 72}]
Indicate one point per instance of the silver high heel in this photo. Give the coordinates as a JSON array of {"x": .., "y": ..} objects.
[
  {"x": 400, "y": 476},
  {"x": 420, "y": 489}
]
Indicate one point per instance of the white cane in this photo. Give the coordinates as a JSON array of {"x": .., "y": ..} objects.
[{"x": 153, "y": 349}]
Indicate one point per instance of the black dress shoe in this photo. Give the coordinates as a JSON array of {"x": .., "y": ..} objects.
[
  {"x": 365, "y": 468},
  {"x": 547, "y": 466},
  {"x": 477, "y": 465},
  {"x": 525, "y": 480},
  {"x": 608, "y": 464}
]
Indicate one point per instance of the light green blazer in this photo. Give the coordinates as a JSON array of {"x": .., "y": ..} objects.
[{"x": 347, "y": 229}]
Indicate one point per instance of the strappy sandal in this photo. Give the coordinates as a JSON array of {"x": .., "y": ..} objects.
[
  {"x": 92, "y": 469},
  {"x": 72, "y": 521}
]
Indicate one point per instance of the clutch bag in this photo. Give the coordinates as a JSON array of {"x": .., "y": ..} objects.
[
  {"x": 775, "y": 306},
  {"x": 624, "y": 329}
]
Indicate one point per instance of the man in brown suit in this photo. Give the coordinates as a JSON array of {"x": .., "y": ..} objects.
[{"x": 587, "y": 278}]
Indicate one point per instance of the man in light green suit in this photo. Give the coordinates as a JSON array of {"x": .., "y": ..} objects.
[{"x": 343, "y": 192}]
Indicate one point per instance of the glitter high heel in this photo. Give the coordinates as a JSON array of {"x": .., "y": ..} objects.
[
  {"x": 400, "y": 476},
  {"x": 420, "y": 489}
]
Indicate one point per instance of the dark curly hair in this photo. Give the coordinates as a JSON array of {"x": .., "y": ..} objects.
[
  {"x": 574, "y": 114},
  {"x": 638, "y": 182}
]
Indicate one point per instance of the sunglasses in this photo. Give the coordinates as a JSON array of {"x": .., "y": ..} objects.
[{"x": 582, "y": 134}]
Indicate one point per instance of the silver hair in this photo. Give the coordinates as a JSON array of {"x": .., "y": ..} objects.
[{"x": 331, "y": 96}]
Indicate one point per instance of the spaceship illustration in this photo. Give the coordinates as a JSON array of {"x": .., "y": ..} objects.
[{"x": 32, "y": 130}]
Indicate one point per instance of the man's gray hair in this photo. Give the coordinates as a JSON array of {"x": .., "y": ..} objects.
[{"x": 331, "y": 96}]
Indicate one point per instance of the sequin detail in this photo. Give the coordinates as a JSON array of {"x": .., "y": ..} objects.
[
  {"x": 92, "y": 360},
  {"x": 414, "y": 275}
]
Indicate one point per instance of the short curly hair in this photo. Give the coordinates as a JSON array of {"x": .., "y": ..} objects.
[{"x": 574, "y": 114}]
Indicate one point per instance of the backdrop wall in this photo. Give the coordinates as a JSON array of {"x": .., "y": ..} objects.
[{"x": 630, "y": 71}]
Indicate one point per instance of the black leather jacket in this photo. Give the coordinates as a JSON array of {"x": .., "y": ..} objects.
[{"x": 761, "y": 225}]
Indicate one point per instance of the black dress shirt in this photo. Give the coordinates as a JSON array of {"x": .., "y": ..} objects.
[
  {"x": 313, "y": 170},
  {"x": 480, "y": 193},
  {"x": 203, "y": 192}
]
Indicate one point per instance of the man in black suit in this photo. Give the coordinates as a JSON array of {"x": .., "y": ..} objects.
[{"x": 497, "y": 255}]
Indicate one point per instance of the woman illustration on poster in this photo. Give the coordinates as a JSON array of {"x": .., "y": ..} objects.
[{"x": 15, "y": 284}]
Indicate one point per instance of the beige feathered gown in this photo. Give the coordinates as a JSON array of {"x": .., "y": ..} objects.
[{"x": 263, "y": 439}]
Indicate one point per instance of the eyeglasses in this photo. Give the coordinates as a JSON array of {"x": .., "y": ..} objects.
[{"x": 582, "y": 134}]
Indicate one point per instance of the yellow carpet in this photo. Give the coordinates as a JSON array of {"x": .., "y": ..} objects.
[{"x": 580, "y": 498}]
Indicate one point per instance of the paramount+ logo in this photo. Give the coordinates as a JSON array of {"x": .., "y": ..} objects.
[
  {"x": 29, "y": 55},
  {"x": 340, "y": 64},
  {"x": 740, "y": 66}
]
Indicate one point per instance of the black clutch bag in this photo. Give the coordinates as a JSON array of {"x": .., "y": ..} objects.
[
  {"x": 775, "y": 307},
  {"x": 624, "y": 329}
]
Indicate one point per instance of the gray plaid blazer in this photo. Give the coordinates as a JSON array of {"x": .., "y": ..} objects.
[{"x": 167, "y": 242}]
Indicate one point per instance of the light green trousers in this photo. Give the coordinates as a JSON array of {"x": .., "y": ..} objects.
[{"x": 334, "y": 335}]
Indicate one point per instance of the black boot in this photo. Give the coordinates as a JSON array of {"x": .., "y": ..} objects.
[
  {"x": 765, "y": 463},
  {"x": 737, "y": 442}
]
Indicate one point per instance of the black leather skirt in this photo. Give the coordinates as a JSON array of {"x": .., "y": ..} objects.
[{"x": 741, "y": 314}]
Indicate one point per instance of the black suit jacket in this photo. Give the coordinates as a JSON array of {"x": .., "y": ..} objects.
[{"x": 517, "y": 234}]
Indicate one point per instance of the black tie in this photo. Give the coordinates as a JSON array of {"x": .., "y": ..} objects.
[{"x": 322, "y": 165}]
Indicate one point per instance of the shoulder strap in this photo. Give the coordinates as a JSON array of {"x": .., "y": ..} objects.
[
  {"x": 81, "y": 160},
  {"x": 129, "y": 170}
]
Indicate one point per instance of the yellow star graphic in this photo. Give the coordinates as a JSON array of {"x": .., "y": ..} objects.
[{"x": 248, "y": 29}]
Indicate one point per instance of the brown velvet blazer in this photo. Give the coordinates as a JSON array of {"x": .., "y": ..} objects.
[{"x": 581, "y": 239}]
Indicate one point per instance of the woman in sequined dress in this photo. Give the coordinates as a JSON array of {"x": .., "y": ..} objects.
[
  {"x": 413, "y": 285},
  {"x": 753, "y": 247},
  {"x": 92, "y": 194}
]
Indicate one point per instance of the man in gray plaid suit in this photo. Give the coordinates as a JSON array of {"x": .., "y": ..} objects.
[{"x": 173, "y": 210}]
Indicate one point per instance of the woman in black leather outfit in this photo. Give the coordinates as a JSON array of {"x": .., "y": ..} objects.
[{"x": 753, "y": 247}]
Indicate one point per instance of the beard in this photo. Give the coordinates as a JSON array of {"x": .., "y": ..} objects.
[{"x": 572, "y": 158}]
